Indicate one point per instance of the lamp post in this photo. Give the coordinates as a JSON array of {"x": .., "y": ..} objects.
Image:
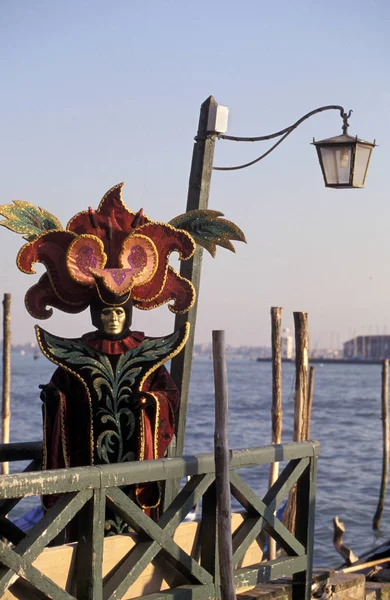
[
  {"x": 344, "y": 160},
  {"x": 344, "y": 163}
]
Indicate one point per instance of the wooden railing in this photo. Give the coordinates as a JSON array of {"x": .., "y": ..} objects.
[{"x": 87, "y": 491}]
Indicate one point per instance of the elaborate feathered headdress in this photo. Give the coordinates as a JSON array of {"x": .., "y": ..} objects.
[{"x": 112, "y": 252}]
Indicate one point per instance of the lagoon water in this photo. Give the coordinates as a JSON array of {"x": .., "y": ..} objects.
[{"x": 346, "y": 420}]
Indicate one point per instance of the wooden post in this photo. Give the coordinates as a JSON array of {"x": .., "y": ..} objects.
[
  {"x": 6, "y": 374},
  {"x": 222, "y": 468},
  {"x": 301, "y": 375},
  {"x": 385, "y": 434},
  {"x": 310, "y": 401},
  {"x": 300, "y": 401},
  {"x": 197, "y": 198},
  {"x": 276, "y": 411}
]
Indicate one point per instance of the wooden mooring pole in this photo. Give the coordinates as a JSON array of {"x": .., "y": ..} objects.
[
  {"x": 385, "y": 430},
  {"x": 222, "y": 468},
  {"x": 310, "y": 401},
  {"x": 6, "y": 410},
  {"x": 301, "y": 375},
  {"x": 300, "y": 402},
  {"x": 276, "y": 411}
]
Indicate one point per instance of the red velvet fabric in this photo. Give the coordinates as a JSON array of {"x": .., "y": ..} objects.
[{"x": 67, "y": 418}]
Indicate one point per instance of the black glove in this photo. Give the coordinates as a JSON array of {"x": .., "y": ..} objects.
[{"x": 48, "y": 392}]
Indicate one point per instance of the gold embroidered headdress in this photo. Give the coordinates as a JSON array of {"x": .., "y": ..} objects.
[{"x": 111, "y": 251}]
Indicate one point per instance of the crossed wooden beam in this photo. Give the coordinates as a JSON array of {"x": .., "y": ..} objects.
[{"x": 154, "y": 538}]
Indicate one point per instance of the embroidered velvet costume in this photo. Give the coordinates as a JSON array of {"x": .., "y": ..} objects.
[
  {"x": 82, "y": 427},
  {"x": 111, "y": 398}
]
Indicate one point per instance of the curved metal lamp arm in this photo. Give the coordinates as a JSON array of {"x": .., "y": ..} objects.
[{"x": 284, "y": 132}]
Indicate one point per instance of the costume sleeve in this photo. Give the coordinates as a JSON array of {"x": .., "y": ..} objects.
[
  {"x": 64, "y": 402},
  {"x": 53, "y": 456},
  {"x": 158, "y": 428}
]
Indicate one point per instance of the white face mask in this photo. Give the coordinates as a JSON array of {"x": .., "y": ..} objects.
[{"x": 113, "y": 319}]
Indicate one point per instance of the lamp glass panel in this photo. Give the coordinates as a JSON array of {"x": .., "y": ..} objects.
[
  {"x": 336, "y": 161},
  {"x": 362, "y": 159}
]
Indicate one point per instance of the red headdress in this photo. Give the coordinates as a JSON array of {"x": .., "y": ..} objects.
[{"x": 112, "y": 252}]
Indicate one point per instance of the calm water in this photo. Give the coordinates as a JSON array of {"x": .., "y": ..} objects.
[{"x": 346, "y": 421}]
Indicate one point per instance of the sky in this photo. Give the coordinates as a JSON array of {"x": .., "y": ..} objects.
[{"x": 94, "y": 93}]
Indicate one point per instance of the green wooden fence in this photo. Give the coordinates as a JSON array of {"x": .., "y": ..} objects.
[{"x": 87, "y": 490}]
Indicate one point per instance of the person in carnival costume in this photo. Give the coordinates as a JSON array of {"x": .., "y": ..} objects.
[{"x": 111, "y": 398}]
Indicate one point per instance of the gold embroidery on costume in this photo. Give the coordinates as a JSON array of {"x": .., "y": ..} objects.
[{"x": 63, "y": 436}]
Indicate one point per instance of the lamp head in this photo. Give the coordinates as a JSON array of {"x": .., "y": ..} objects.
[{"x": 344, "y": 159}]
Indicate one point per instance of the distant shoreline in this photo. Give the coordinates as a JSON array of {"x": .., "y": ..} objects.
[{"x": 332, "y": 361}]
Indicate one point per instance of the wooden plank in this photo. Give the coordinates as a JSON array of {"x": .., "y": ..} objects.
[
  {"x": 142, "y": 524},
  {"x": 7, "y": 505},
  {"x": 208, "y": 534},
  {"x": 274, "y": 495},
  {"x": 20, "y": 451},
  {"x": 89, "y": 555},
  {"x": 10, "y": 532},
  {"x": 26, "y": 571},
  {"x": 185, "y": 592},
  {"x": 163, "y": 468},
  {"x": 78, "y": 478},
  {"x": 245, "y": 535},
  {"x": 288, "y": 477},
  {"x": 251, "y": 528},
  {"x": 57, "y": 563},
  {"x": 264, "y": 572},
  {"x": 146, "y": 550},
  {"x": 304, "y": 529},
  {"x": 185, "y": 501},
  {"x": 57, "y": 481},
  {"x": 53, "y": 521},
  {"x": 282, "y": 535}
]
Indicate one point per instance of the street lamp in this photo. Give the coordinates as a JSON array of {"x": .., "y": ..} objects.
[
  {"x": 344, "y": 159},
  {"x": 350, "y": 158}
]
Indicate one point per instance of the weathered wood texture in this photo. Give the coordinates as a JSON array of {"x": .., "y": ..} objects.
[
  {"x": 310, "y": 401},
  {"x": 20, "y": 451},
  {"x": 276, "y": 410},
  {"x": 198, "y": 197},
  {"x": 222, "y": 468},
  {"x": 56, "y": 563},
  {"x": 301, "y": 375},
  {"x": 304, "y": 527},
  {"x": 6, "y": 405},
  {"x": 60, "y": 481},
  {"x": 385, "y": 436},
  {"x": 338, "y": 532},
  {"x": 300, "y": 400},
  {"x": 83, "y": 491}
]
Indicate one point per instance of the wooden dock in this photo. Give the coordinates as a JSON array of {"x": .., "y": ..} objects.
[{"x": 168, "y": 559}]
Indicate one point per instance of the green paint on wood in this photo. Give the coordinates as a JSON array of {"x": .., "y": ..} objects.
[
  {"x": 82, "y": 491},
  {"x": 52, "y": 523}
]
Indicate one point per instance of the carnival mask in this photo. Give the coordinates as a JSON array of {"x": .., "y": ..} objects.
[{"x": 111, "y": 250}]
